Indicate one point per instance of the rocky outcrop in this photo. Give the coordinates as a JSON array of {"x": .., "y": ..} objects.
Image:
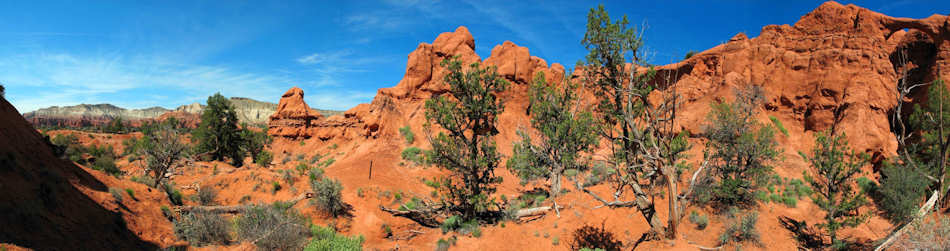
[
  {"x": 837, "y": 57},
  {"x": 293, "y": 117}
]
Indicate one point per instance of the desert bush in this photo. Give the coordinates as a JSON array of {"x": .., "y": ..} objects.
[
  {"x": 116, "y": 193},
  {"x": 590, "y": 237},
  {"x": 700, "y": 220},
  {"x": 275, "y": 186},
  {"x": 315, "y": 173},
  {"x": 931, "y": 233},
  {"x": 206, "y": 195},
  {"x": 327, "y": 196},
  {"x": 741, "y": 228},
  {"x": 326, "y": 239},
  {"x": 836, "y": 166},
  {"x": 131, "y": 193},
  {"x": 413, "y": 154},
  {"x": 900, "y": 192},
  {"x": 461, "y": 226},
  {"x": 264, "y": 158},
  {"x": 273, "y": 227},
  {"x": 406, "y": 133},
  {"x": 106, "y": 163},
  {"x": 201, "y": 228},
  {"x": 173, "y": 194},
  {"x": 445, "y": 244}
]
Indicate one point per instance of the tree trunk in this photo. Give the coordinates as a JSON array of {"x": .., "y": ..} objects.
[{"x": 674, "y": 209}]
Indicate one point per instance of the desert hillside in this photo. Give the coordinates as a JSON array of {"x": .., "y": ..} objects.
[{"x": 839, "y": 69}]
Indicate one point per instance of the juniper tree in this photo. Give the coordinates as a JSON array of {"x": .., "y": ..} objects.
[
  {"x": 162, "y": 149},
  {"x": 467, "y": 114},
  {"x": 835, "y": 166},
  {"x": 646, "y": 148},
  {"x": 740, "y": 149},
  {"x": 932, "y": 122},
  {"x": 563, "y": 133},
  {"x": 218, "y": 134}
]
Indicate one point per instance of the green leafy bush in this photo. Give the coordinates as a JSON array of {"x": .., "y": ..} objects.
[
  {"x": 131, "y": 193},
  {"x": 173, "y": 194},
  {"x": 594, "y": 238},
  {"x": 900, "y": 193}
]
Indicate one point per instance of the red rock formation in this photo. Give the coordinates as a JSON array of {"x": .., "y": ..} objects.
[
  {"x": 293, "y": 117},
  {"x": 834, "y": 57}
]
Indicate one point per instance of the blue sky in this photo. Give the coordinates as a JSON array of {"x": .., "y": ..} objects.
[{"x": 138, "y": 54}]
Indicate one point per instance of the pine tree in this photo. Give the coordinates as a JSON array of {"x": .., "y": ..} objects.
[
  {"x": 465, "y": 148},
  {"x": 835, "y": 165},
  {"x": 218, "y": 134},
  {"x": 563, "y": 131}
]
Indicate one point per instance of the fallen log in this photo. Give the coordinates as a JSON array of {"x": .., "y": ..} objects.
[
  {"x": 527, "y": 212},
  {"x": 920, "y": 215},
  {"x": 425, "y": 218},
  {"x": 236, "y": 209}
]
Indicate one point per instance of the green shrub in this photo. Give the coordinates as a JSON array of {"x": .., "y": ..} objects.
[
  {"x": 593, "y": 238},
  {"x": 316, "y": 174},
  {"x": 406, "y": 133},
  {"x": 273, "y": 227},
  {"x": 201, "y": 227},
  {"x": 778, "y": 124},
  {"x": 116, "y": 193},
  {"x": 900, "y": 193},
  {"x": 327, "y": 196},
  {"x": 315, "y": 159},
  {"x": 413, "y": 154},
  {"x": 326, "y": 239},
  {"x": 275, "y": 187},
  {"x": 106, "y": 164},
  {"x": 173, "y": 194},
  {"x": 206, "y": 195},
  {"x": 131, "y": 193},
  {"x": 445, "y": 244},
  {"x": 328, "y": 162},
  {"x": 741, "y": 229},
  {"x": 701, "y": 221},
  {"x": 167, "y": 212},
  {"x": 264, "y": 158},
  {"x": 455, "y": 223},
  {"x": 302, "y": 168}
]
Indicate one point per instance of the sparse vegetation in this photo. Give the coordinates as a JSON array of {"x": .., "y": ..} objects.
[
  {"x": 272, "y": 227},
  {"x": 326, "y": 239},
  {"x": 461, "y": 226},
  {"x": 932, "y": 233},
  {"x": 700, "y": 220},
  {"x": 406, "y": 133},
  {"x": 131, "y": 193},
  {"x": 900, "y": 192},
  {"x": 206, "y": 195},
  {"x": 173, "y": 194},
  {"x": 116, "y": 193},
  {"x": 741, "y": 228},
  {"x": 201, "y": 228},
  {"x": 413, "y": 154},
  {"x": 594, "y": 238}
]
